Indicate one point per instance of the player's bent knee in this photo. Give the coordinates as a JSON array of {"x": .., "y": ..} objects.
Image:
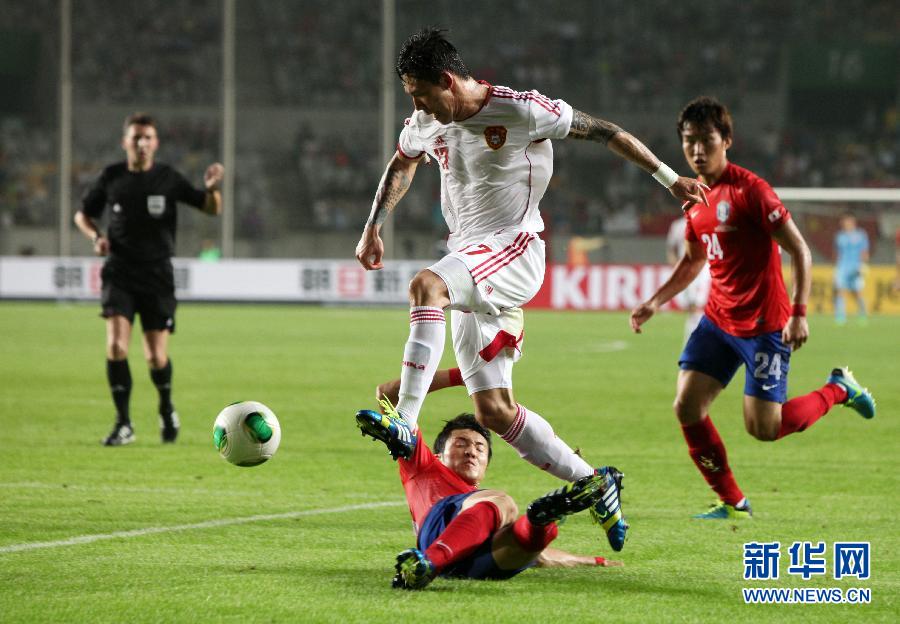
[
  {"x": 494, "y": 414},
  {"x": 687, "y": 412},
  {"x": 509, "y": 511},
  {"x": 762, "y": 419},
  {"x": 428, "y": 289},
  {"x": 117, "y": 350},
  {"x": 762, "y": 432},
  {"x": 506, "y": 507}
]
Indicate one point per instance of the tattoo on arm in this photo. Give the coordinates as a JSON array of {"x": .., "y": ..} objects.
[
  {"x": 592, "y": 129},
  {"x": 393, "y": 186},
  {"x": 625, "y": 145}
]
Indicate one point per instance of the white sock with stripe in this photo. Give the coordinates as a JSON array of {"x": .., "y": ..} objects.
[
  {"x": 421, "y": 356},
  {"x": 533, "y": 438}
]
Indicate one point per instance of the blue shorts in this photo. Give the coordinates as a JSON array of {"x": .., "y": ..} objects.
[
  {"x": 718, "y": 354},
  {"x": 480, "y": 564},
  {"x": 848, "y": 279}
]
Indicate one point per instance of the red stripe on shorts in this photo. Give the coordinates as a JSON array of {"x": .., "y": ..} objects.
[
  {"x": 501, "y": 262},
  {"x": 503, "y": 340},
  {"x": 500, "y": 253}
]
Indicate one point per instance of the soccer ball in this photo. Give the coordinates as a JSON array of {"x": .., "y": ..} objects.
[{"x": 246, "y": 433}]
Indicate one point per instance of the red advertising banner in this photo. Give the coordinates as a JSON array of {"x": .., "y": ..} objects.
[{"x": 601, "y": 286}]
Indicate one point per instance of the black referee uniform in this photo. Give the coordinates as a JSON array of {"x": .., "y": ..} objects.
[{"x": 138, "y": 276}]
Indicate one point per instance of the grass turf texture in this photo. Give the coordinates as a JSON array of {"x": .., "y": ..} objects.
[{"x": 604, "y": 389}]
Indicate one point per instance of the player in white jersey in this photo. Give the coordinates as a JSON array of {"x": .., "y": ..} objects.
[
  {"x": 692, "y": 298},
  {"x": 492, "y": 147}
]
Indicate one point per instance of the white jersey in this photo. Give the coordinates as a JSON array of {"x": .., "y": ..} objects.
[
  {"x": 675, "y": 238},
  {"x": 495, "y": 165}
]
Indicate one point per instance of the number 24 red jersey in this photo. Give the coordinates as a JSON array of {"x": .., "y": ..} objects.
[{"x": 747, "y": 296}]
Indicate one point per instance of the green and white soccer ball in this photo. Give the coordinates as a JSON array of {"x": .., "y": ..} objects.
[{"x": 247, "y": 433}]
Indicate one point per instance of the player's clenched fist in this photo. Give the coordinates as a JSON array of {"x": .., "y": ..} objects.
[
  {"x": 213, "y": 176},
  {"x": 796, "y": 332},
  {"x": 640, "y": 315},
  {"x": 370, "y": 250}
]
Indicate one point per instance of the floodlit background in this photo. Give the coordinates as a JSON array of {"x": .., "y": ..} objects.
[
  {"x": 314, "y": 111},
  {"x": 299, "y": 99}
]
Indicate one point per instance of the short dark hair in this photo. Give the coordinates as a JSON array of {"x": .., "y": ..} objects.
[
  {"x": 703, "y": 110},
  {"x": 462, "y": 421},
  {"x": 138, "y": 119},
  {"x": 426, "y": 54}
]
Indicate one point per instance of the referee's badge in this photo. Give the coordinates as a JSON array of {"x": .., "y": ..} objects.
[
  {"x": 156, "y": 205},
  {"x": 495, "y": 136},
  {"x": 723, "y": 210}
]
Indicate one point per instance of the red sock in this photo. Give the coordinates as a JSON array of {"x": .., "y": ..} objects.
[
  {"x": 801, "y": 412},
  {"x": 708, "y": 452},
  {"x": 466, "y": 532},
  {"x": 534, "y": 537}
]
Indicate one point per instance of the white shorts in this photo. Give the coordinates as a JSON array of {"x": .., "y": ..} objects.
[{"x": 488, "y": 282}]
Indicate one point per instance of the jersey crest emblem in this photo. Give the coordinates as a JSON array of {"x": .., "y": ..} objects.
[
  {"x": 495, "y": 136},
  {"x": 723, "y": 211},
  {"x": 156, "y": 205}
]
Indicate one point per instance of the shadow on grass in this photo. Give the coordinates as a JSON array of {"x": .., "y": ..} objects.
[{"x": 584, "y": 581}]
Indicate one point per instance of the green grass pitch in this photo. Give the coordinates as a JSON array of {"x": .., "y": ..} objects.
[{"x": 300, "y": 556}]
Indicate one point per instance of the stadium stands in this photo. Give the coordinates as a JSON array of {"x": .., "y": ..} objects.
[{"x": 310, "y": 61}]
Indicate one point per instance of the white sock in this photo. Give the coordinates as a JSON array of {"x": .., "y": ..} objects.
[
  {"x": 421, "y": 356},
  {"x": 533, "y": 438}
]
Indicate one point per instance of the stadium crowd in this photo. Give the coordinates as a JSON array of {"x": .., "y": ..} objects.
[
  {"x": 153, "y": 51},
  {"x": 318, "y": 55}
]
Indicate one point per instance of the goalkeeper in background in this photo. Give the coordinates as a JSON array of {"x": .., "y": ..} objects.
[{"x": 851, "y": 249}]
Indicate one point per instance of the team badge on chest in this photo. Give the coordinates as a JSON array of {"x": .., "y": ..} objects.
[
  {"x": 495, "y": 136},
  {"x": 156, "y": 205},
  {"x": 723, "y": 211}
]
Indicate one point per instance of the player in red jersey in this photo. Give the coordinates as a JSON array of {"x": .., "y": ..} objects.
[
  {"x": 466, "y": 532},
  {"x": 748, "y": 318}
]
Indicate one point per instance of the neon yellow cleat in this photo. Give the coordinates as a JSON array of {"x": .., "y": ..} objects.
[{"x": 723, "y": 511}]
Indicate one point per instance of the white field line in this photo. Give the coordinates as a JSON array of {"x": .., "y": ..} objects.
[
  {"x": 209, "y": 524},
  {"x": 607, "y": 347},
  {"x": 71, "y": 487},
  {"x": 37, "y": 485}
]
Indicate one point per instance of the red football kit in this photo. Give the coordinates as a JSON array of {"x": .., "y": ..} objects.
[
  {"x": 747, "y": 296},
  {"x": 426, "y": 481}
]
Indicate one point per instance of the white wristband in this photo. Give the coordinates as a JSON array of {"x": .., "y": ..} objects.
[{"x": 665, "y": 176}]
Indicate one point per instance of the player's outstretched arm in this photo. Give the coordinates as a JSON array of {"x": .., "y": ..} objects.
[
  {"x": 445, "y": 378},
  {"x": 554, "y": 558},
  {"x": 789, "y": 238},
  {"x": 584, "y": 126},
  {"x": 685, "y": 271},
  {"x": 212, "y": 179},
  {"x": 393, "y": 186}
]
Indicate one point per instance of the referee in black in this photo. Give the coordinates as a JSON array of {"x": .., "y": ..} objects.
[{"x": 137, "y": 276}]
